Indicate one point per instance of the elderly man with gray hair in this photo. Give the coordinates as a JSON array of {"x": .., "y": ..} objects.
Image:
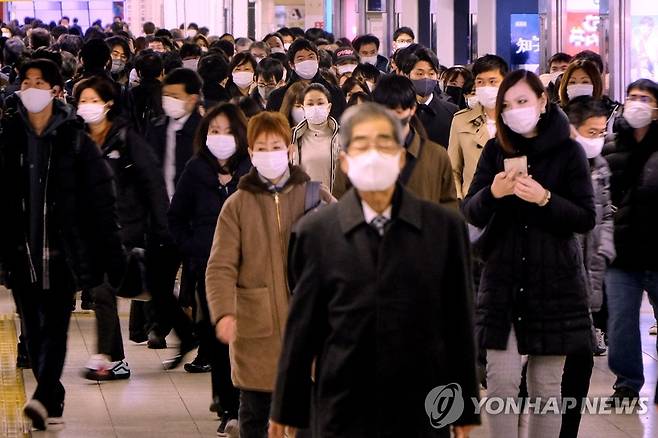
[{"x": 380, "y": 324}]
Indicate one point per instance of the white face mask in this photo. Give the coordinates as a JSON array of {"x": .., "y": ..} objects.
[
  {"x": 373, "y": 171},
  {"x": 298, "y": 115},
  {"x": 174, "y": 108},
  {"x": 278, "y": 50},
  {"x": 307, "y": 69},
  {"x": 487, "y": 96},
  {"x": 522, "y": 120},
  {"x": 402, "y": 45},
  {"x": 316, "y": 115},
  {"x": 191, "y": 33},
  {"x": 92, "y": 113},
  {"x": 472, "y": 101},
  {"x": 347, "y": 68},
  {"x": 638, "y": 114},
  {"x": 118, "y": 65},
  {"x": 372, "y": 60},
  {"x": 192, "y": 64},
  {"x": 6, "y": 34},
  {"x": 271, "y": 165},
  {"x": 221, "y": 146},
  {"x": 36, "y": 100},
  {"x": 592, "y": 146},
  {"x": 576, "y": 90},
  {"x": 243, "y": 79},
  {"x": 555, "y": 75},
  {"x": 371, "y": 86},
  {"x": 286, "y": 46}
]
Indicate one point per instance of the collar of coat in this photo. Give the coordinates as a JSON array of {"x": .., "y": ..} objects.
[
  {"x": 406, "y": 207},
  {"x": 251, "y": 182},
  {"x": 300, "y": 129}
]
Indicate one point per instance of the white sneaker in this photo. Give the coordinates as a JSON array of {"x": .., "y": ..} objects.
[
  {"x": 100, "y": 368},
  {"x": 653, "y": 330}
]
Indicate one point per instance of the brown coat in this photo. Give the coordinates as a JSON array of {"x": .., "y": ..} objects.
[
  {"x": 468, "y": 135},
  {"x": 246, "y": 274},
  {"x": 431, "y": 178}
]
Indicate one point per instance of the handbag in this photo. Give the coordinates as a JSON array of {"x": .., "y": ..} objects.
[{"x": 133, "y": 286}]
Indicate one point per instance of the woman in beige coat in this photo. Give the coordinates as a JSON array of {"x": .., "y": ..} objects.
[{"x": 246, "y": 282}]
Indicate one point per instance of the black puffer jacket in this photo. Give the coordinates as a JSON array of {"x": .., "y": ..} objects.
[
  {"x": 81, "y": 218},
  {"x": 634, "y": 192},
  {"x": 196, "y": 205},
  {"x": 533, "y": 276},
  {"x": 142, "y": 198}
]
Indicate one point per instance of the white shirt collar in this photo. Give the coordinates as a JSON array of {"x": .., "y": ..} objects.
[
  {"x": 429, "y": 99},
  {"x": 369, "y": 214},
  {"x": 177, "y": 124}
]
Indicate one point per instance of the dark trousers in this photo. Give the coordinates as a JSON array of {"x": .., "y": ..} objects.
[
  {"x": 161, "y": 269},
  {"x": 46, "y": 316},
  {"x": 211, "y": 349},
  {"x": 575, "y": 384},
  {"x": 254, "y": 413},
  {"x": 141, "y": 320},
  {"x": 108, "y": 327}
]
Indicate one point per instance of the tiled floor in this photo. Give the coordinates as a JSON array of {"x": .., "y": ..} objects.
[{"x": 156, "y": 403}]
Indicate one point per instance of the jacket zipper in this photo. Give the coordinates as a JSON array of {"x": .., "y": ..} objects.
[{"x": 278, "y": 223}]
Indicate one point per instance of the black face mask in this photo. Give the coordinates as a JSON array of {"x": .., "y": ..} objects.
[{"x": 455, "y": 93}]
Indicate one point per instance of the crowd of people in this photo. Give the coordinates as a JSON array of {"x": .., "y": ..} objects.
[{"x": 338, "y": 232}]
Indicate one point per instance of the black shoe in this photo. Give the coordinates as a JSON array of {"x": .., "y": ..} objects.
[
  {"x": 624, "y": 396},
  {"x": 175, "y": 361},
  {"x": 156, "y": 342},
  {"x": 228, "y": 427},
  {"x": 22, "y": 359},
  {"x": 139, "y": 338},
  {"x": 36, "y": 411},
  {"x": 198, "y": 365},
  {"x": 86, "y": 300},
  {"x": 215, "y": 406}
]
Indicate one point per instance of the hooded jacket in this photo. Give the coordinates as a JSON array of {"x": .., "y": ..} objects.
[
  {"x": 61, "y": 211},
  {"x": 533, "y": 277}
]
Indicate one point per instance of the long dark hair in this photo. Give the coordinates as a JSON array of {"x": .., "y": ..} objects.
[
  {"x": 238, "y": 123},
  {"x": 503, "y": 132}
]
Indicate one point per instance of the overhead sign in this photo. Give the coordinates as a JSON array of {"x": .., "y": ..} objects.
[{"x": 524, "y": 41}]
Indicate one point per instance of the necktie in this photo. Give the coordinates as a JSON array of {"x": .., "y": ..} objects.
[{"x": 379, "y": 224}]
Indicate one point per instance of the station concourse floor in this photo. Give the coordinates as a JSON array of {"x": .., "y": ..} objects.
[{"x": 158, "y": 403}]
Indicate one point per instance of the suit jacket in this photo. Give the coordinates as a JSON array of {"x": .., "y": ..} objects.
[
  {"x": 386, "y": 320},
  {"x": 437, "y": 118},
  {"x": 156, "y": 136}
]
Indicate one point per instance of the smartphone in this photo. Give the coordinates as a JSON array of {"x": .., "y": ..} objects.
[{"x": 518, "y": 164}]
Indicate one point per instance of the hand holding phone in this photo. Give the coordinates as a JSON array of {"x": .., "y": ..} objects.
[{"x": 518, "y": 164}]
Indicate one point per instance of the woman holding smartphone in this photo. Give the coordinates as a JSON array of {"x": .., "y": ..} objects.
[{"x": 532, "y": 298}]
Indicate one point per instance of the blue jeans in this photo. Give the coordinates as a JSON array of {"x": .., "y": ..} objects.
[{"x": 624, "y": 290}]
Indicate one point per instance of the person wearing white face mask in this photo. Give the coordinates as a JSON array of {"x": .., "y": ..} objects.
[
  {"x": 531, "y": 194},
  {"x": 190, "y": 53},
  {"x": 359, "y": 285},
  {"x": 246, "y": 278},
  {"x": 59, "y": 231},
  {"x": 303, "y": 56},
  {"x": 210, "y": 178},
  {"x": 582, "y": 78},
  {"x": 141, "y": 205},
  {"x": 367, "y": 47},
  {"x": 242, "y": 71},
  {"x": 345, "y": 61},
  {"x": 588, "y": 118},
  {"x": 316, "y": 138},
  {"x": 633, "y": 156},
  {"x": 472, "y": 128},
  {"x": 259, "y": 50},
  {"x": 269, "y": 77}
]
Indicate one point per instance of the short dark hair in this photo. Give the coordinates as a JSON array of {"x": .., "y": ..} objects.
[
  {"x": 149, "y": 64},
  {"x": 58, "y": 31},
  {"x": 163, "y": 33},
  {"x": 189, "y": 78},
  {"x": 395, "y": 91},
  {"x": 70, "y": 43},
  {"x": 189, "y": 49},
  {"x": 325, "y": 60},
  {"x": 584, "y": 107},
  {"x": 117, "y": 40},
  {"x": 490, "y": 62},
  {"x": 270, "y": 68},
  {"x": 213, "y": 68},
  {"x": 314, "y": 33},
  {"x": 363, "y": 40},
  {"x": 318, "y": 87},
  {"x": 171, "y": 61},
  {"x": 296, "y": 32},
  {"x": 105, "y": 88},
  {"x": 273, "y": 35},
  {"x": 590, "y": 56},
  {"x": 95, "y": 54},
  {"x": 418, "y": 55},
  {"x": 249, "y": 106},
  {"x": 559, "y": 57},
  {"x": 46, "y": 53},
  {"x": 225, "y": 46},
  {"x": 49, "y": 71},
  {"x": 367, "y": 71},
  {"x": 148, "y": 27},
  {"x": 644, "y": 85},
  {"x": 351, "y": 82},
  {"x": 300, "y": 44},
  {"x": 39, "y": 38},
  {"x": 403, "y": 30},
  {"x": 241, "y": 59}
]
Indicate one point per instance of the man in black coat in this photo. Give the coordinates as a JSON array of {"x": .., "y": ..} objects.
[
  {"x": 59, "y": 229},
  {"x": 422, "y": 67},
  {"x": 303, "y": 57},
  {"x": 381, "y": 307}
]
